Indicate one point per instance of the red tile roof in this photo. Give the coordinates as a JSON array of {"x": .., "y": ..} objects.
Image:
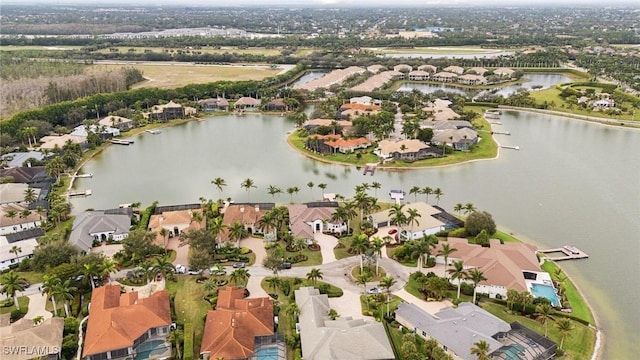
[
  {"x": 116, "y": 321},
  {"x": 230, "y": 330},
  {"x": 337, "y": 141},
  {"x": 361, "y": 107}
]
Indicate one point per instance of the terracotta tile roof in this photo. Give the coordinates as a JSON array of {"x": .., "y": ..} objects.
[
  {"x": 171, "y": 219},
  {"x": 300, "y": 215},
  {"x": 116, "y": 321},
  {"x": 337, "y": 141},
  {"x": 361, "y": 107},
  {"x": 230, "y": 330},
  {"x": 410, "y": 145},
  {"x": 246, "y": 214}
]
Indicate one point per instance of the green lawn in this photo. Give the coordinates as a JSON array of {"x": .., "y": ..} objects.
[
  {"x": 378, "y": 306},
  {"x": 366, "y": 154},
  {"x": 189, "y": 305},
  {"x": 552, "y": 98},
  {"x": 343, "y": 252},
  {"x": 23, "y": 301},
  {"x": 314, "y": 257},
  {"x": 578, "y": 345},
  {"x": 580, "y": 308},
  {"x": 31, "y": 276},
  {"x": 504, "y": 237}
]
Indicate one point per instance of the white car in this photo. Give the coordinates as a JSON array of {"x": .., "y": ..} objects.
[
  {"x": 180, "y": 269},
  {"x": 373, "y": 290}
]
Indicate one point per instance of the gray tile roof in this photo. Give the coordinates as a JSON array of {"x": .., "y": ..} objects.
[{"x": 93, "y": 222}]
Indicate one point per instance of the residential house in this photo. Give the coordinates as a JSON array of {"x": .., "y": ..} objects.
[
  {"x": 117, "y": 122},
  {"x": 51, "y": 142},
  {"x": 343, "y": 338},
  {"x": 428, "y": 68},
  {"x": 230, "y": 331},
  {"x": 441, "y": 113},
  {"x": 176, "y": 220},
  {"x": 17, "y": 159},
  {"x": 306, "y": 220},
  {"x": 99, "y": 226},
  {"x": 344, "y": 125},
  {"x": 459, "y": 139},
  {"x": 364, "y": 100},
  {"x": 104, "y": 132},
  {"x": 247, "y": 103},
  {"x": 603, "y": 104},
  {"x": 165, "y": 112},
  {"x": 477, "y": 70},
  {"x": 27, "y": 175},
  {"x": 13, "y": 193},
  {"x": 454, "y": 69},
  {"x": 445, "y": 77},
  {"x": 458, "y": 329},
  {"x": 375, "y": 68},
  {"x": 352, "y": 111},
  {"x": 127, "y": 326},
  {"x": 506, "y": 266},
  {"x": 247, "y": 214},
  {"x": 427, "y": 223},
  {"x": 440, "y": 125},
  {"x": 402, "y": 68},
  {"x": 16, "y": 217},
  {"x": 276, "y": 105},
  {"x": 331, "y": 144},
  {"x": 26, "y": 241},
  {"x": 24, "y": 340},
  {"x": 406, "y": 150},
  {"x": 472, "y": 79},
  {"x": 419, "y": 75},
  {"x": 504, "y": 72},
  {"x": 217, "y": 104}
]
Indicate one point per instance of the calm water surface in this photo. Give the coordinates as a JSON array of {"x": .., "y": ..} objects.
[{"x": 571, "y": 183}]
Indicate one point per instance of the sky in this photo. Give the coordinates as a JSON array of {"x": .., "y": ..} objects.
[{"x": 341, "y": 3}]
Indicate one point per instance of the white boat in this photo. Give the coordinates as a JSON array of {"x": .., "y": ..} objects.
[{"x": 154, "y": 132}]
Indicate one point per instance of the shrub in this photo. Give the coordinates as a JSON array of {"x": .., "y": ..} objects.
[
  {"x": 286, "y": 287},
  {"x": 458, "y": 233},
  {"x": 478, "y": 221},
  {"x": 8, "y": 303},
  {"x": 71, "y": 325},
  {"x": 16, "y": 315},
  {"x": 69, "y": 346}
]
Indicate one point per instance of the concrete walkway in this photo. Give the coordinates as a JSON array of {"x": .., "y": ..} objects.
[
  {"x": 327, "y": 243},
  {"x": 37, "y": 307},
  {"x": 257, "y": 246},
  {"x": 255, "y": 290},
  {"x": 182, "y": 252}
]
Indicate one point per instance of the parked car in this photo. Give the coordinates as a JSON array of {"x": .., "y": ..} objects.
[
  {"x": 194, "y": 272},
  {"x": 238, "y": 265},
  {"x": 373, "y": 290},
  {"x": 180, "y": 269},
  {"x": 285, "y": 266}
]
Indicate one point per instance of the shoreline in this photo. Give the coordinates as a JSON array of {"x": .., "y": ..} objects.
[{"x": 631, "y": 124}]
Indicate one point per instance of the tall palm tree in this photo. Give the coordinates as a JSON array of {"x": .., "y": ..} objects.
[
  {"x": 163, "y": 266},
  {"x": 247, "y": 184},
  {"x": 237, "y": 232},
  {"x": 398, "y": 218},
  {"x": 375, "y": 186},
  {"x": 49, "y": 289},
  {"x": 387, "y": 282},
  {"x": 458, "y": 208},
  {"x": 469, "y": 208},
  {"x": 268, "y": 222},
  {"x": 361, "y": 200},
  {"x": 481, "y": 350},
  {"x": 176, "y": 337},
  {"x": 525, "y": 299},
  {"x": 219, "y": 183},
  {"x": 216, "y": 226},
  {"x": 360, "y": 244},
  {"x": 239, "y": 276},
  {"x": 323, "y": 187},
  {"x": 273, "y": 191},
  {"x": 438, "y": 193},
  {"x": 15, "y": 250},
  {"x": 543, "y": 313},
  {"x": 415, "y": 190},
  {"x": 412, "y": 217},
  {"x": 90, "y": 271},
  {"x": 313, "y": 275},
  {"x": 273, "y": 282},
  {"x": 421, "y": 248},
  {"x": 445, "y": 251},
  {"x": 376, "y": 245},
  {"x": 340, "y": 216},
  {"x": 363, "y": 279},
  {"x": 565, "y": 326},
  {"x": 107, "y": 268},
  {"x": 426, "y": 191},
  {"x": 30, "y": 195},
  {"x": 350, "y": 211},
  {"x": 65, "y": 291},
  {"x": 476, "y": 276},
  {"x": 310, "y": 185},
  {"x": 292, "y": 190},
  {"x": 457, "y": 272},
  {"x": 164, "y": 233},
  {"x": 513, "y": 297},
  {"x": 12, "y": 283},
  {"x": 293, "y": 310}
]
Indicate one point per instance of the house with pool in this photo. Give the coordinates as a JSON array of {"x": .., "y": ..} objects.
[
  {"x": 428, "y": 222},
  {"x": 127, "y": 326},
  {"x": 506, "y": 266}
]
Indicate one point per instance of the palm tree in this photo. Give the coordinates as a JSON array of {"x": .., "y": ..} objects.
[
  {"x": 543, "y": 313},
  {"x": 210, "y": 284},
  {"x": 375, "y": 186},
  {"x": 525, "y": 299},
  {"x": 293, "y": 310},
  {"x": 30, "y": 195},
  {"x": 458, "y": 273},
  {"x": 268, "y": 222},
  {"x": 412, "y": 217},
  {"x": 513, "y": 297},
  {"x": 15, "y": 250},
  {"x": 64, "y": 290},
  {"x": 363, "y": 279},
  {"x": 361, "y": 199},
  {"x": 164, "y": 233},
  {"x": 427, "y": 191},
  {"x": 310, "y": 185},
  {"x": 145, "y": 271},
  {"x": 476, "y": 276},
  {"x": 299, "y": 243},
  {"x": 273, "y": 191},
  {"x": 323, "y": 187},
  {"x": 469, "y": 208},
  {"x": 11, "y": 214},
  {"x": 163, "y": 266},
  {"x": 237, "y": 232},
  {"x": 339, "y": 216},
  {"x": 273, "y": 282},
  {"x": 360, "y": 244},
  {"x": 291, "y": 191},
  {"x": 247, "y": 184},
  {"x": 445, "y": 251},
  {"x": 176, "y": 336},
  {"x": 396, "y": 213},
  {"x": 314, "y": 274},
  {"x": 423, "y": 247},
  {"x": 387, "y": 282},
  {"x": 376, "y": 245},
  {"x": 438, "y": 193},
  {"x": 108, "y": 267},
  {"x": 239, "y": 276},
  {"x": 458, "y": 208},
  {"x": 12, "y": 283},
  {"x": 49, "y": 289},
  {"x": 565, "y": 326},
  {"x": 90, "y": 271},
  {"x": 415, "y": 190},
  {"x": 219, "y": 183},
  {"x": 481, "y": 350},
  {"x": 333, "y": 314}
]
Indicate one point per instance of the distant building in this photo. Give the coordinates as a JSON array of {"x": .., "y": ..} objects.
[
  {"x": 217, "y": 104},
  {"x": 118, "y": 122},
  {"x": 166, "y": 112}
]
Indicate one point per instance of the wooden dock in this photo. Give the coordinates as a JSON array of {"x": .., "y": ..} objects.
[
  {"x": 510, "y": 147},
  {"x": 80, "y": 193},
  {"x": 121, "y": 141},
  {"x": 500, "y": 133},
  {"x": 89, "y": 175},
  {"x": 570, "y": 253},
  {"x": 369, "y": 168}
]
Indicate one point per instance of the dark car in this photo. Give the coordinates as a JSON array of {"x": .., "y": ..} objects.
[
  {"x": 285, "y": 266},
  {"x": 238, "y": 265}
]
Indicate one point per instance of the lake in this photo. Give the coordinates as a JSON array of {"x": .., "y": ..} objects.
[{"x": 572, "y": 182}]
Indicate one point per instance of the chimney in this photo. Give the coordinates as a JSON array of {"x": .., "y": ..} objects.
[{"x": 257, "y": 208}]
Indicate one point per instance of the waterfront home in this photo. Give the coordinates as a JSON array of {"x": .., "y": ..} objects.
[
  {"x": 472, "y": 79},
  {"x": 247, "y": 103},
  {"x": 306, "y": 220},
  {"x": 331, "y": 144},
  {"x": 17, "y": 159},
  {"x": 477, "y": 70},
  {"x": 342, "y": 126},
  {"x": 24, "y": 339},
  {"x": 406, "y": 150},
  {"x": 428, "y": 68},
  {"x": 458, "y": 329},
  {"x": 51, "y": 142},
  {"x": 439, "y": 125},
  {"x": 121, "y": 326},
  {"x": 175, "y": 219},
  {"x": 276, "y": 105},
  {"x": 211, "y": 104},
  {"x": 118, "y": 122},
  {"x": 249, "y": 215},
  {"x": 441, "y": 113},
  {"x": 365, "y": 100},
  {"x": 104, "y": 132},
  {"x": 375, "y": 68},
  {"x": 165, "y": 112},
  {"x": 445, "y": 77},
  {"x": 402, "y": 68},
  {"x": 459, "y": 139},
  {"x": 13, "y": 193},
  {"x": 26, "y": 241},
  {"x": 504, "y": 72},
  {"x": 99, "y": 226},
  {"x": 16, "y": 217},
  {"x": 454, "y": 69},
  {"x": 237, "y": 325},
  {"x": 419, "y": 75},
  {"x": 427, "y": 223},
  {"x": 343, "y": 338}
]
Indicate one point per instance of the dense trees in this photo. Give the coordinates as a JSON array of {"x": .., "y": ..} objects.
[{"x": 478, "y": 221}]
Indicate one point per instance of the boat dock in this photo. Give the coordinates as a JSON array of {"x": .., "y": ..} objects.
[
  {"x": 89, "y": 175},
  {"x": 500, "y": 133},
  {"x": 510, "y": 147},
  {"x": 121, "y": 141},
  {"x": 570, "y": 253},
  {"x": 80, "y": 193},
  {"x": 369, "y": 168},
  {"x": 154, "y": 132}
]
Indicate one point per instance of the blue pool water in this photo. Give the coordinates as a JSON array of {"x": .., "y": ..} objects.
[
  {"x": 267, "y": 353},
  {"x": 545, "y": 291},
  {"x": 149, "y": 348}
]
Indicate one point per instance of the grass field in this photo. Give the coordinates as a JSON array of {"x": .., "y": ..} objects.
[
  {"x": 189, "y": 304},
  {"x": 169, "y": 76},
  {"x": 552, "y": 97},
  {"x": 457, "y": 50}
]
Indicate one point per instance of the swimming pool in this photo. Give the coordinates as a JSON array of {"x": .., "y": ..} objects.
[
  {"x": 545, "y": 291},
  {"x": 149, "y": 349}
]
